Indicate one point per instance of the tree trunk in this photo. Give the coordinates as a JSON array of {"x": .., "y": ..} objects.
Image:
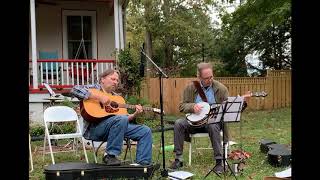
[
  {"x": 148, "y": 51},
  {"x": 148, "y": 36},
  {"x": 168, "y": 49}
]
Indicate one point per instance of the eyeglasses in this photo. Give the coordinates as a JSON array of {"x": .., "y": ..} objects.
[{"x": 207, "y": 79}]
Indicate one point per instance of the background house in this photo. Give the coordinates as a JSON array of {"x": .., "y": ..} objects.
[{"x": 71, "y": 42}]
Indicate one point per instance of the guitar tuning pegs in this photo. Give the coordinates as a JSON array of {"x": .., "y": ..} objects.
[{"x": 264, "y": 94}]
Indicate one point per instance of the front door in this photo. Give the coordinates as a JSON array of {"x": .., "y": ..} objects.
[{"x": 79, "y": 34}]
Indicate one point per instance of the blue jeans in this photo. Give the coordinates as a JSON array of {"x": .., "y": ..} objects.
[{"x": 114, "y": 129}]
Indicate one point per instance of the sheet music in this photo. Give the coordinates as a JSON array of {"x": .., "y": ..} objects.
[
  {"x": 177, "y": 175},
  {"x": 283, "y": 174},
  {"x": 233, "y": 110}
]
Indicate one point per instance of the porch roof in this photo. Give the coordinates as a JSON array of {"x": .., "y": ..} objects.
[{"x": 55, "y": 2}]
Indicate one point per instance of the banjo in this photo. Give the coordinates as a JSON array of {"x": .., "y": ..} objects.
[{"x": 207, "y": 111}]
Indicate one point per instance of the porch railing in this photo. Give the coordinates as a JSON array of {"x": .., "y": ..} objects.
[{"x": 65, "y": 73}]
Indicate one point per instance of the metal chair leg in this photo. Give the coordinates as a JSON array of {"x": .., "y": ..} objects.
[
  {"x": 128, "y": 144},
  {"x": 84, "y": 150},
  {"x": 94, "y": 152},
  {"x": 44, "y": 146},
  {"x": 30, "y": 151},
  {"x": 190, "y": 151},
  {"x": 51, "y": 151}
]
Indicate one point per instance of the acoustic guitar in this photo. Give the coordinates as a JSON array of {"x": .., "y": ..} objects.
[{"x": 94, "y": 111}]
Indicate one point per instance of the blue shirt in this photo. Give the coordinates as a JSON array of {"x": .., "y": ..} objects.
[
  {"x": 209, "y": 94},
  {"x": 82, "y": 93}
]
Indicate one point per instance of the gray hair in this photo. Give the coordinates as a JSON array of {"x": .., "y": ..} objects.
[
  {"x": 202, "y": 66},
  {"x": 107, "y": 73}
]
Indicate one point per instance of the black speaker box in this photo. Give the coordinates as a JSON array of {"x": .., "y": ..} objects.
[{"x": 264, "y": 145}]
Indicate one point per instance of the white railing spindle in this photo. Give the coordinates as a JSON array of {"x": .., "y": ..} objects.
[
  {"x": 67, "y": 73},
  {"x": 77, "y": 69}
]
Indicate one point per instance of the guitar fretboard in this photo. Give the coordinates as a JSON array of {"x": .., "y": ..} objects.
[{"x": 129, "y": 106}]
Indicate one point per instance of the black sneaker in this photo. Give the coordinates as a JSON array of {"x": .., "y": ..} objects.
[
  {"x": 176, "y": 164},
  {"x": 218, "y": 169},
  {"x": 143, "y": 163},
  {"x": 111, "y": 160}
]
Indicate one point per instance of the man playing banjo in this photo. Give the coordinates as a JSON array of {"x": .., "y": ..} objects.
[{"x": 205, "y": 90}]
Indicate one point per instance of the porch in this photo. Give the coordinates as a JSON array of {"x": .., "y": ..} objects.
[{"x": 62, "y": 74}]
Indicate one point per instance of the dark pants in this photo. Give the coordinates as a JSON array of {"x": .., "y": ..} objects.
[{"x": 182, "y": 130}]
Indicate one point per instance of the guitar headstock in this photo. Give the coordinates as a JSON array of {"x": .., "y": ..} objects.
[
  {"x": 255, "y": 94},
  {"x": 156, "y": 110}
]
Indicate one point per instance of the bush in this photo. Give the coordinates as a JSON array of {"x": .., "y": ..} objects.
[
  {"x": 69, "y": 103},
  {"x": 147, "y": 118},
  {"x": 129, "y": 73},
  {"x": 36, "y": 130},
  {"x": 57, "y": 128}
]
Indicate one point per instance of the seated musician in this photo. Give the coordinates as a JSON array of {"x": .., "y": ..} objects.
[
  {"x": 213, "y": 92},
  {"x": 115, "y": 128}
]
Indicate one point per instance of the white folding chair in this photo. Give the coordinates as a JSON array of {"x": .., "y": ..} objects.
[
  {"x": 61, "y": 114},
  {"x": 192, "y": 137},
  {"x": 201, "y": 135},
  {"x": 96, "y": 145}
]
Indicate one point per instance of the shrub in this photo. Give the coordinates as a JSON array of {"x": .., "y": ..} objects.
[
  {"x": 36, "y": 130},
  {"x": 57, "y": 128},
  {"x": 129, "y": 70}
]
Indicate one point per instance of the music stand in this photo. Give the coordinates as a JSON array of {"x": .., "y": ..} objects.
[{"x": 229, "y": 111}]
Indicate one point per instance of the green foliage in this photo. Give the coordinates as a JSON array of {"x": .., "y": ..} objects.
[
  {"x": 180, "y": 31},
  {"x": 67, "y": 102},
  {"x": 146, "y": 118},
  {"x": 36, "y": 130},
  {"x": 183, "y": 34},
  {"x": 56, "y": 128},
  {"x": 137, "y": 100},
  {"x": 149, "y": 119},
  {"x": 129, "y": 70},
  {"x": 68, "y": 127},
  {"x": 254, "y": 126},
  {"x": 257, "y": 26}
]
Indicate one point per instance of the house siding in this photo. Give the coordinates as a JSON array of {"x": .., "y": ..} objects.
[{"x": 50, "y": 30}]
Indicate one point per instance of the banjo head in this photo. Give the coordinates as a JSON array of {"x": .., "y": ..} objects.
[{"x": 193, "y": 118}]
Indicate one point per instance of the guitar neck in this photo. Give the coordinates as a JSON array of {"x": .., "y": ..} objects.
[{"x": 129, "y": 106}]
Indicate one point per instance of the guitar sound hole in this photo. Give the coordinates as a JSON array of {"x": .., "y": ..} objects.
[
  {"x": 110, "y": 109},
  {"x": 114, "y": 104}
]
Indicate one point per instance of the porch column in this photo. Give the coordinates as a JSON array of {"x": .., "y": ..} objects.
[
  {"x": 121, "y": 27},
  {"x": 116, "y": 23},
  {"x": 33, "y": 45}
]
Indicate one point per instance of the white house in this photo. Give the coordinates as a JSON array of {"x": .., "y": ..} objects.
[{"x": 71, "y": 42}]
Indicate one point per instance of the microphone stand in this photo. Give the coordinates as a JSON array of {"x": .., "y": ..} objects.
[{"x": 164, "y": 171}]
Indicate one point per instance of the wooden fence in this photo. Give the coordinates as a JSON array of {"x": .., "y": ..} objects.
[{"x": 277, "y": 84}]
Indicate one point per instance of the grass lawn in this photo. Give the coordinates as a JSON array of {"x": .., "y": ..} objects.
[{"x": 254, "y": 126}]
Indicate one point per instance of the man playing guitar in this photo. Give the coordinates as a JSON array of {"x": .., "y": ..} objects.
[
  {"x": 212, "y": 92},
  {"x": 113, "y": 128}
]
